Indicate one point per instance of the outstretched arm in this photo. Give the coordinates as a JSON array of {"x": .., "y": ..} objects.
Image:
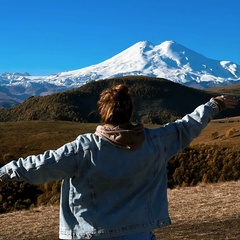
[
  {"x": 51, "y": 165},
  {"x": 179, "y": 134}
]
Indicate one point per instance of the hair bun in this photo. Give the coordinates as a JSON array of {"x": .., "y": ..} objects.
[
  {"x": 121, "y": 90},
  {"x": 115, "y": 105}
]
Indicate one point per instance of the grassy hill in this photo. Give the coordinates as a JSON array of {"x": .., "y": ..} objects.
[
  {"x": 230, "y": 89},
  {"x": 155, "y": 101}
]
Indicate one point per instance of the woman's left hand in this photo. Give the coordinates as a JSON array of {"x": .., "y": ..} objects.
[
  {"x": 230, "y": 101},
  {"x": 225, "y": 101}
]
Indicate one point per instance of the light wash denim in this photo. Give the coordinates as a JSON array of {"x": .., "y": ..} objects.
[{"x": 108, "y": 191}]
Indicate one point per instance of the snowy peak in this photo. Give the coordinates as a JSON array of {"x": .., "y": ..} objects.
[
  {"x": 131, "y": 59},
  {"x": 10, "y": 78},
  {"x": 231, "y": 67},
  {"x": 139, "y": 47},
  {"x": 170, "y": 48},
  {"x": 169, "y": 60},
  {"x": 174, "y": 51}
]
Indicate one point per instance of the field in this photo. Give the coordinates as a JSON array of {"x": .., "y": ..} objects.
[
  {"x": 221, "y": 127},
  {"x": 210, "y": 212},
  {"x": 19, "y": 139},
  {"x": 207, "y": 211}
]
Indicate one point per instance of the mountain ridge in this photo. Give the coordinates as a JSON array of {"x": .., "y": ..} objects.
[
  {"x": 169, "y": 60},
  {"x": 155, "y": 100}
]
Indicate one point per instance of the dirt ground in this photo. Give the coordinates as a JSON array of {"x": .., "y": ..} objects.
[{"x": 209, "y": 212}]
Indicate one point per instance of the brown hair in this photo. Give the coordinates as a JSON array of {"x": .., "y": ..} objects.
[{"x": 115, "y": 105}]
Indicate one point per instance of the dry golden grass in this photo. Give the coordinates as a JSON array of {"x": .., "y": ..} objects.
[
  {"x": 210, "y": 212},
  {"x": 19, "y": 139}
]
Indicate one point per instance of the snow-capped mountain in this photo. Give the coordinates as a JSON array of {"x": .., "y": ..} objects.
[{"x": 168, "y": 60}]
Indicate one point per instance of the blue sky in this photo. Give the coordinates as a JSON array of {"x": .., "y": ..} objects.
[{"x": 50, "y": 36}]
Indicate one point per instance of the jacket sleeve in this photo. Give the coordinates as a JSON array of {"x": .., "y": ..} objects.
[
  {"x": 176, "y": 136},
  {"x": 51, "y": 165}
]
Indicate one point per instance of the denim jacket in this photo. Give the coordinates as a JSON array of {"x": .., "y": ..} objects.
[{"x": 109, "y": 191}]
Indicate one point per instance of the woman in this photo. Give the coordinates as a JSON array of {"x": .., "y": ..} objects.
[{"x": 114, "y": 181}]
